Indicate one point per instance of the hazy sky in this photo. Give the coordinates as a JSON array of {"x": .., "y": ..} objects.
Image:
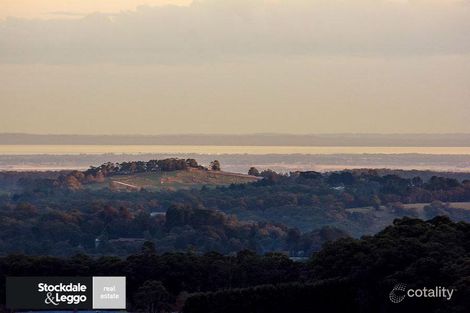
[{"x": 234, "y": 66}]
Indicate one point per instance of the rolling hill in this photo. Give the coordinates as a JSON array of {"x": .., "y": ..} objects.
[{"x": 174, "y": 180}]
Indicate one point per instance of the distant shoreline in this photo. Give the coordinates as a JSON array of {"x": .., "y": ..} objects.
[
  {"x": 6, "y": 150},
  {"x": 288, "y": 140},
  {"x": 235, "y": 161}
]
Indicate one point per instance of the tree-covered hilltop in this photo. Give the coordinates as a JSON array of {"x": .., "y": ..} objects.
[
  {"x": 153, "y": 175},
  {"x": 347, "y": 275},
  {"x": 76, "y": 179}
]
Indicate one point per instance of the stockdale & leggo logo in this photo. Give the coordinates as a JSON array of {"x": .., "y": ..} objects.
[
  {"x": 63, "y": 293},
  {"x": 400, "y": 292},
  {"x": 68, "y": 293}
]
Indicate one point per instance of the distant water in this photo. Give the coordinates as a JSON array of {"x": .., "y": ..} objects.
[
  {"x": 215, "y": 150},
  {"x": 238, "y": 158}
]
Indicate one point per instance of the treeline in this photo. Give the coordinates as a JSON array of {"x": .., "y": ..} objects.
[
  {"x": 163, "y": 280},
  {"x": 125, "y": 168},
  {"x": 346, "y": 188},
  {"x": 104, "y": 229},
  {"x": 303, "y": 199},
  {"x": 293, "y": 297},
  {"x": 348, "y": 275},
  {"x": 357, "y": 275},
  {"x": 423, "y": 174},
  {"x": 11, "y": 181},
  {"x": 343, "y": 189}
]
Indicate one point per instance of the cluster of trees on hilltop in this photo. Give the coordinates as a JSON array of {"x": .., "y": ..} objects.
[
  {"x": 347, "y": 275},
  {"x": 125, "y": 168},
  {"x": 74, "y": 179}
]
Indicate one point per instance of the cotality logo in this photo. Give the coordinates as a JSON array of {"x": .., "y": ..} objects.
[{"x": 400, "y": 292}]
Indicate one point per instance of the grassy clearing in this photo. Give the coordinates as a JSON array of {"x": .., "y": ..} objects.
[{"x": 174, "y": 180}]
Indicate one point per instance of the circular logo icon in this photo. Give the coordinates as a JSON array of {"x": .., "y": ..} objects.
[{"x": 398, "y": 294}]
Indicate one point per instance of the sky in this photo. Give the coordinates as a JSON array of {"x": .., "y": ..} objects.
[{"x": 234, "y": 66}]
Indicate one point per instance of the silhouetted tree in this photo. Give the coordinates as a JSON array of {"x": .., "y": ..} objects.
[
  {"x": 215, "y": 165},
  {"x": 253, "y": 171},
  {"x": 152, "y": 297}
]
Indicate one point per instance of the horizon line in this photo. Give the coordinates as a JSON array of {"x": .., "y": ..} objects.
[{"x": 235, "y": 134}]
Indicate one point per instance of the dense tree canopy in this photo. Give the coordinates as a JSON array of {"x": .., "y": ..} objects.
[
  {"x": 352, "y": 275},
  {"x": 293, "y": 213},
  {"x": 348, "y": 275}
]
